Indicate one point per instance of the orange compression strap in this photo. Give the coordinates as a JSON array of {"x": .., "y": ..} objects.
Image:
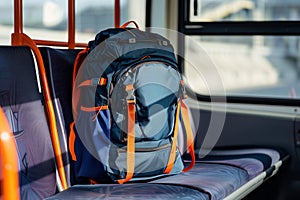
[
  {"x": 189, "y": 135},
  {"x": 130, "y": 142},
  {"x": 174, "y": 143},
  {"x": 92, "y": 109},
  {"x": 72, "y": 138},
  {"x": 76, "y": 91},
  {"x": 94, "y": 81}
]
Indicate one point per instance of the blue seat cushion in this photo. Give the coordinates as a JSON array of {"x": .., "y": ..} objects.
[{"x": 134, "y": 191}]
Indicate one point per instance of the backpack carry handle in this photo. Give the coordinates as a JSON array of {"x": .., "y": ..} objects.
[{"x": 129, "y": 22}]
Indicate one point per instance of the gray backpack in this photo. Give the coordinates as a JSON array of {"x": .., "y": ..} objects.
[{"x": 127, "y": 103}]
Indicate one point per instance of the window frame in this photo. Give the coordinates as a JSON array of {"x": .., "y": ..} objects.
[{"x": 233, "y": 28}]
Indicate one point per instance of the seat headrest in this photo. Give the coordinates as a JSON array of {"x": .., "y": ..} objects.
[{"x": 18, "y": 81}]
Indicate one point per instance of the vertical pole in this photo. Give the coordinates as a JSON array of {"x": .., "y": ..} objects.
[
  {"x": 117, "y": 13},
  {"x": 18, "y": 16},
  {"x": 71, "y": 24},
  {"x": 18, "y": 23},
  {"x": 148, "y": 13},
  {"x": 9, "y": 161},
  {"x": 19, "y": 38},
  {"x": 181, "y": 40}
]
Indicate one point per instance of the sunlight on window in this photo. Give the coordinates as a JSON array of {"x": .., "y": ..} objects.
[
  {"x": 48, "y": 19},
  {"x": 244, "y": 10},
  {"x": 246, "y": 65}
]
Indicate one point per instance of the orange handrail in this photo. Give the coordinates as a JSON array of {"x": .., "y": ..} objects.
[
  {"x": 19, "y": 38},
  {"x": 22, "y": 39},
  {"x": 57, "y": 43},
  {"x": 71, "y": 24},
  {"x": 9, "y": 161},
  {"x": 18, "y": 16},
  {"x": 117, "y": 13}
]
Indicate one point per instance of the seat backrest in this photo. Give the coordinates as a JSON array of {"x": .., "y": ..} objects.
[
  {"x": 23, "y": 106},
  {"x": 59, "y": 69}
]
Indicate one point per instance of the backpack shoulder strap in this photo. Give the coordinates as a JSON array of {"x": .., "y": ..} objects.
[
  {"x": 172, "y": 156},
  {"x": 78, "y": 61},
  {"x": 189, "y": 134},
  {"x": 182, "y": 107}
]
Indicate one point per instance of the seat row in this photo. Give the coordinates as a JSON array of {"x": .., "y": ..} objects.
[{"x": 222, "y": 174}]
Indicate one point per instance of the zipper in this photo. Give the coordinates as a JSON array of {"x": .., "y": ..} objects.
[
  {"x": 155, "y": 41},
  {"x": 165, "y": 146},
  {"x": 133, "y": 67}
]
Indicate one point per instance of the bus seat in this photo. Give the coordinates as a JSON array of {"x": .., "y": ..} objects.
[
  {"x": 23, "y": 106},
  {"x": 134, "y": 191},
  {"x": 257, "y": 165},
  {"x": 59, "y": 68},
  {"x": 222, "y": 174}
]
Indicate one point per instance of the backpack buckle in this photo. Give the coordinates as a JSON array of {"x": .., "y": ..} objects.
[
  {"x": 130, "y": 96},
  {"x": 130, "y": 93},
  {"x": 182, "y": 92}
]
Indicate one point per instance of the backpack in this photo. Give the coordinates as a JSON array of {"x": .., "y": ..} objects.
[{"x": 127, "y": 106}]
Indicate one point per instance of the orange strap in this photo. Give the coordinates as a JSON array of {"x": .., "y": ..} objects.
[
  {"x": 76, "y": 92},
  {"x": 130, "y": 142},
  {"x": 92, "y": 109},
  {"x": 129, "y": 22},
  {"x": 189, "y": 134},
  {"x": 174, "y": 143},
  {"x": 72, "y": 138},
  {"x": 85, "y": 83},
  {"x": 98, "y": 81},
  {"x": 92, "y": 182}
]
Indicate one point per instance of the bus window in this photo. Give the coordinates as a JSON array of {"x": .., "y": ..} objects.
[
  {"x": 244, "y": 10},
  {"x": 48, "y": 19},
  {"x": 6, "y": 21},
  {"x": 260, "y": 66},
  {"x": 93, "y": 16},
  {"x": 253, "y": 47}
]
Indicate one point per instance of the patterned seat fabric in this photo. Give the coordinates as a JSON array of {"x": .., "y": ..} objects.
[
  {"x": 23, "y": 106},
  {"x": 215, "y": 177}
]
